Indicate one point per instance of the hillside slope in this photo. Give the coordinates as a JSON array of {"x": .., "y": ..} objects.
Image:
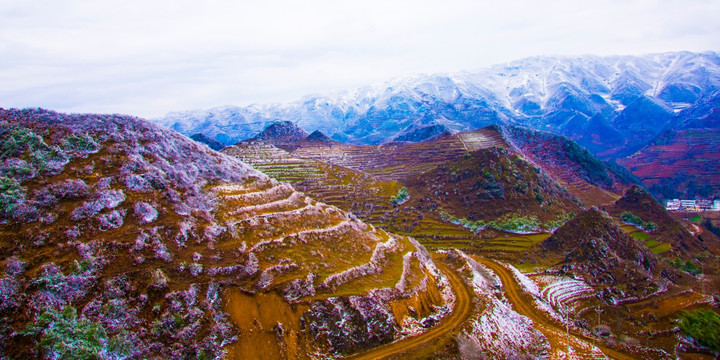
[
  {"x": 492, "y": 183},
  {"x": 590, "y": 179},
  {"x": 591, "y": 245},
  {"x": 669, "y": 229},
  {"x": 584, "y": 175},
  {"x": 679, "y": 164},
  {"x": 122, "y": 238}
]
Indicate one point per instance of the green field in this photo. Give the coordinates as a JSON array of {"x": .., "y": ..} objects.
[{"x": 658, "y": 247}]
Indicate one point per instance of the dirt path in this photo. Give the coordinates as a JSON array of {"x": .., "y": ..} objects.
[
  {"x": 524, "y": 305},
  {"x": 462, "y": 311}
]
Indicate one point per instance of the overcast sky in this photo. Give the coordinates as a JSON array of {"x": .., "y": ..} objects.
[{"x": 149, "y": 57}]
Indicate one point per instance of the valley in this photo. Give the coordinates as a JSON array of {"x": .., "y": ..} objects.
[{"x": 353, "y": 178}]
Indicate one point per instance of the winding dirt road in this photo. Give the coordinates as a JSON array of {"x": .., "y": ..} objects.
[
  {"x": 462, "y": 311},
  {"x": 524, "y": 305}
]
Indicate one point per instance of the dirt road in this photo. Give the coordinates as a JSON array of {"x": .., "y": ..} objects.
[
  {"x": 524, "y": 305},
  {"x": 463, "y": 309}
]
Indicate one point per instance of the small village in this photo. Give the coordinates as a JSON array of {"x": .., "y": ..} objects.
[{"x": 692, "y": 205}]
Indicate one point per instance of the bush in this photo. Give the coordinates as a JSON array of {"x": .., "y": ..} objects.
[
  {"x": 145, "y": 212},
  {"x": 633, "y": 219},
  {"x": 703, "y": 326},
  {"x": 401, "y": 196},
  {"x": 64, "y": 336},
  {"x": 686, "y": 266},
  {"x": 84, "y": 143},
  {"x": 11, "y": 195},
  {"x": 517, "y": 223}
]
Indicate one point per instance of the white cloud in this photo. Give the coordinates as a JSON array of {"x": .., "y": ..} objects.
[{"x": 150, "y": 57}]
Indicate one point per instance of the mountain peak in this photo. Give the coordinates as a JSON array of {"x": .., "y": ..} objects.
[
  {"x": 319, "y": 136},
  {"x": 282, "y": 134}
]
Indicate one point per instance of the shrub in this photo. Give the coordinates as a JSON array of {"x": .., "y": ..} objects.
[
  {"x": 65, "y": 336},
  {"x": 11, "y": 195},
  {"x": 113, "y": 220},
  {"x": 519, "y": 223},
  {"x": 633, "y": 219},
  {"x": 84, "y": 143},
  {"x": 17, "y": 169},
  {"x": 158, "y": 279},
  {"x": 145, "y": 212},
  {"x": 401, "y": 196},
  {"x": 686, "y": 266},
  {"x": 703, "y": 326}
]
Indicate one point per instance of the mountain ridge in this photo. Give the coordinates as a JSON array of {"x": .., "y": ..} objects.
[{"x": 558, "y": 94}]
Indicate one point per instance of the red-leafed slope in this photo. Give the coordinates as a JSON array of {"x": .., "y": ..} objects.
[{"x": 679, "y": 164}]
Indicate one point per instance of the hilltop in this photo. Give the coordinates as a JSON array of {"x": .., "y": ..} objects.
[
  {"x": 667, "y": 229},
  {"x": 492, "y": 183},
  {"x": 591, "y": 245},
  {"x": 283, "y": 134}
]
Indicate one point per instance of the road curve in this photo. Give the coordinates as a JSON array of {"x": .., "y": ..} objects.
[
  {"x": 461, "y": 312},
  {"x": 527, "y": 308}
]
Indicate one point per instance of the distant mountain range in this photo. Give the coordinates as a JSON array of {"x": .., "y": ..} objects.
[{"x": 613, "y": 105}]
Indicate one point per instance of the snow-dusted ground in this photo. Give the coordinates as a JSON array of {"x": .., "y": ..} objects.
[
  {"x": 497, "y": 330},
  {"x": 565, "y": 292}
]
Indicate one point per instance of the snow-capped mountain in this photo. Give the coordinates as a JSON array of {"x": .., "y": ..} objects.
[{"x": 611, "y": 105}]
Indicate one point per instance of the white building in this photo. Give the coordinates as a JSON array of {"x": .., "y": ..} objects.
[
  {"x": 716, "y": 205},
  {"x": 672, "y": 205},
  {"x": 688, "y": 205}
]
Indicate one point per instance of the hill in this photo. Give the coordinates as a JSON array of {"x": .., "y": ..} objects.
[
  {"x": 667, "y": 229},
  {"x": 128, "y": 240},
  {"x": 494, "y": 183},
  {"x": 584, "y": 175},
  {"x": 283, "y": 134},
  {"x": 591, "y": 245},
  {"x": 317, "y": 136},
  {"x": 211, "y": 143}
]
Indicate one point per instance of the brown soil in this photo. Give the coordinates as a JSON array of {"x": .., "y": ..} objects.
[
  {"x": 524, "y": 305},
  {"x": 412, "y": 347}
]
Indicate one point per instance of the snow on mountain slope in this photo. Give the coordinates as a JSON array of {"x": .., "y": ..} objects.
[{"x": 598, "y": 101}]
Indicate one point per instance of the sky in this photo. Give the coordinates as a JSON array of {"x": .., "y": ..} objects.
[{"x": 147, "y": 58}]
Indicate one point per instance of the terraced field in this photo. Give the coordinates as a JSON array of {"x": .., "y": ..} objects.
[
  {"x": 370, "y": 199},
  {"x": 678, "y": 162},
  {"x": 309, "y": 251},
  {"x": 276, "y": 223},
  {"x": 397, "y": 161},
  {"x": 589, "y": 194}
]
